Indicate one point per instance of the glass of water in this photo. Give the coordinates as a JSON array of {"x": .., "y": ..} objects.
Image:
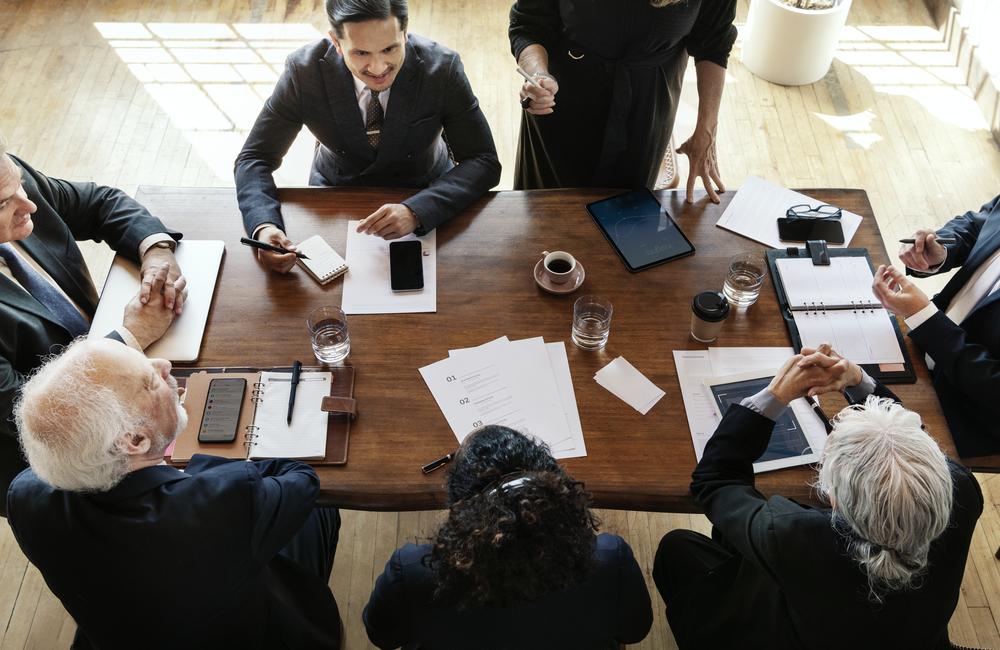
[
  {"x": 744, "y": 279},
  {"x": 591, "y": 322},
  {"x": 328, "y": 331}
]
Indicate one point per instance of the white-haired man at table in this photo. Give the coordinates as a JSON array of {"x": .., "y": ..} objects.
[{"x": 227, "y": 554}]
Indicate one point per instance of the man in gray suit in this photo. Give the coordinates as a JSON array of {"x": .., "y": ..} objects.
[{"x": 388, "y": 109}]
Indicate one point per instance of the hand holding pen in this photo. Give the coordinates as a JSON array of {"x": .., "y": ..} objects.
[
  {"x": 274, "y": 250},
  {"x": 538, "y": 93}
]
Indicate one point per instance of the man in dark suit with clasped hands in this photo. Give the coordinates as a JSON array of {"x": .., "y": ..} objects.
[
  {"x": 46, "y": 295},
  {"x": 388, "y": 109}
]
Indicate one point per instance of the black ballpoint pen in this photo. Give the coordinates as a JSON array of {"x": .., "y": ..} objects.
[
  {"x": 940, "y": 240},
  {"x": 253, "y": 243},
  {"x": 296, "y": 369},
  {"x": 822, "y": 416},
  {"x": 435, "y": 464}
]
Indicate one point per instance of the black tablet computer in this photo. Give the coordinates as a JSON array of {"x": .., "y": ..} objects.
[{"x": 641, "y": 230}]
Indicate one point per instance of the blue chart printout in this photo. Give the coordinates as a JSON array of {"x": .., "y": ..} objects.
[{"x": 787, "y": 441}]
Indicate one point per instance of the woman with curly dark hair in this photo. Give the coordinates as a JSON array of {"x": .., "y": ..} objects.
[{"x": 517, "y": 564}]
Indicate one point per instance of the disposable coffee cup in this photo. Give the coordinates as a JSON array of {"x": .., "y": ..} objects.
[
  {"x": 559, "y": 266},
  {"x": 709, "y": 311}
]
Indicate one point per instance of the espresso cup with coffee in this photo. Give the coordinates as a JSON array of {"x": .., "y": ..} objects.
[{"x": 559, "y": 266}]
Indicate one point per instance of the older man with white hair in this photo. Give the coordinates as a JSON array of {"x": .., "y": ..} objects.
[
  {"x": 227, "y": 554},
  {"x": 46, "y": 295},
  {"x": 880, "y": 568}
]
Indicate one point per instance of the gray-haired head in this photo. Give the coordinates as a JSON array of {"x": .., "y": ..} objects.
[
  {"x": 355, "y": 11},
  {"x": 76, "y": 414},
  {"x": 891, "y": 491}
]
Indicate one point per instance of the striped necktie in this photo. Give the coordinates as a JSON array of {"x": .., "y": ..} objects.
[
  {"x": 58, "y": 305},
  {"x": 373, "y": 121}
]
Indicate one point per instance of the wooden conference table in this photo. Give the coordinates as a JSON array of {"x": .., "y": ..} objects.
[{"x": 486, "y": 290}]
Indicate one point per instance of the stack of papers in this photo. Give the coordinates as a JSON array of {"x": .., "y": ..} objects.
[
  {"x": 366, "y": 286},
  {"x": 525, "y": 385},
  {"x": 755, "y": 210},
  {"x": 695, "y": 366},
  {"x": 629, "y": 385}
]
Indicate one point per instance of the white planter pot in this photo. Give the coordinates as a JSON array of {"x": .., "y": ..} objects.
[{"x": 790, "y": 46}]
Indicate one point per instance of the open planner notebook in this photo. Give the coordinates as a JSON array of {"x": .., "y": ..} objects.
[
  {"x": 835, "y": 304},
  {"x": 262, "y": 430}
]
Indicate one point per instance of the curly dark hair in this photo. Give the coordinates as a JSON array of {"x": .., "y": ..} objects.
[{"x": 518, "y": 525}]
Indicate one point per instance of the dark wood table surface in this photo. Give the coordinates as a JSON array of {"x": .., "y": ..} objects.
[{"x": 486, "y": 290}]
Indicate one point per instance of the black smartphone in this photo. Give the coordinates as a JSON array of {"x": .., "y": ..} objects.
[
  {"x": 222, "y": 410},
  {"x": 406, "y": 266},
  {"x": 806, "y": 229}
]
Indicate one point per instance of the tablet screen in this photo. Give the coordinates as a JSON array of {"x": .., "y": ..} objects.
[{"x": 640, "y": 229}]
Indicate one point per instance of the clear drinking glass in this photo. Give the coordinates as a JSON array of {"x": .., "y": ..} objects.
[
  {"x": 591, "y": 322},
  {"x": 331, "y": 341},
  {"x": 744, "y": 279}
]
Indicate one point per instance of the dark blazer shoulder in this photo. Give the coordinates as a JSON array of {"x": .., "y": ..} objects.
[
  {"x": 311, "y": 54},
  {"x": 434, "y": 57}
]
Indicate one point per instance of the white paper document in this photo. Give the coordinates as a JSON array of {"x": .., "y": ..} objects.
[
  {"x": 199, "y": 262},
  {"x": 694, "y": 367},
  {"x": 366, "y": 284},
  {"x": 755, "y": 209},
  {"x": 629, "y": 385},
  {"x": 525, "y": 385}
]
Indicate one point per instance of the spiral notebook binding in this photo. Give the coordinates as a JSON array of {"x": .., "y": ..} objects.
[{"x": 249, "y": 435}]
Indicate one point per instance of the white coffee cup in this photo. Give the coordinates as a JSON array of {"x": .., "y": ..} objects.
[{"x": 558, "y": 266}]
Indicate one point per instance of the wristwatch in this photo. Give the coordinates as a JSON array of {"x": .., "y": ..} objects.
[{"x": 161, "y": 244}]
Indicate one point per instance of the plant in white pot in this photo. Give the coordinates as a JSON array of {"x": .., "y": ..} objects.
[{"x": 792, "y": 42}]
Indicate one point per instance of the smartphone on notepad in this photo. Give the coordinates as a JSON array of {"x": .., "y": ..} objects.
[
  {"x": 221, "y": 418},
  {"x": 406, "y": 266}
]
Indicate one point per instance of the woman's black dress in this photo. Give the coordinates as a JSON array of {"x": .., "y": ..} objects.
[{"x": 620, "y": 65}]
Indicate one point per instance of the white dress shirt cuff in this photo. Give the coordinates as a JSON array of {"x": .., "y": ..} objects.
[
  {"x": 921, "y": 317},
  {"x": 155, "y": 238},
  {"x": 766, "y": 404},
  {"x": 129, "y": 338},
  {"x": 257, "y": 230}
]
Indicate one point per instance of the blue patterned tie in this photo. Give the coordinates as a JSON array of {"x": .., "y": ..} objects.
[{"x": 62, "y": 310}]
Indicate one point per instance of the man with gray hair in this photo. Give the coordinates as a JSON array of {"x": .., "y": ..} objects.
[
  {"x": 880, "y": 568},
  {"x": 46, "y": 295},
  {"x": 226, "y": 554}
]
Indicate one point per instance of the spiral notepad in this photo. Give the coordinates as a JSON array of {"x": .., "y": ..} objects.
[
  {"x": 324, "y": 263},
  {"x": 835, "y": 304}
]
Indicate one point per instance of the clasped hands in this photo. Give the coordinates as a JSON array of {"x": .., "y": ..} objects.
[
  {"x": 812, "y": 372},
  {"x": 160, "y": 299},
  {"x": 391, "y": 221}
]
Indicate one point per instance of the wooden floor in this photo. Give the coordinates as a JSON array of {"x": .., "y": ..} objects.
[{"x": 162, "y": 92}]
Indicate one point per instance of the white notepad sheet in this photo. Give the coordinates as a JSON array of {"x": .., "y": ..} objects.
[
  {"x": 846, "y": 281},
  {"x": 324, "y": 263},
  {"x": 864, "y": 336},
  {"x": 306, "y": 436}
]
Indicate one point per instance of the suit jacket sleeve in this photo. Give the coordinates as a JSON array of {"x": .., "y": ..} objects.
[
  {"x": 723, "y": 485},
  {"x": 965, "y": 229},
  {"x": 533, "y": 22},
  {"x": 968, "y": 366},
  {"x": 99, "y": 213},
  {"x": 269, "y": 140},
  {"x": 471, "y": 142},
  {"x": 10, "y": 384},
  {"x": 283, "y": 492},
  {"x": 635, "y": 613},
  {"x": 387, "y": 614}
]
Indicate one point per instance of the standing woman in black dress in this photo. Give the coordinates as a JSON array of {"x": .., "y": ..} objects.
[{"x": 610, "y": 73}]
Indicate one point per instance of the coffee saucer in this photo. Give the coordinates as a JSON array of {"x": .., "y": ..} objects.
[{"x": 571, "y": 285}]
